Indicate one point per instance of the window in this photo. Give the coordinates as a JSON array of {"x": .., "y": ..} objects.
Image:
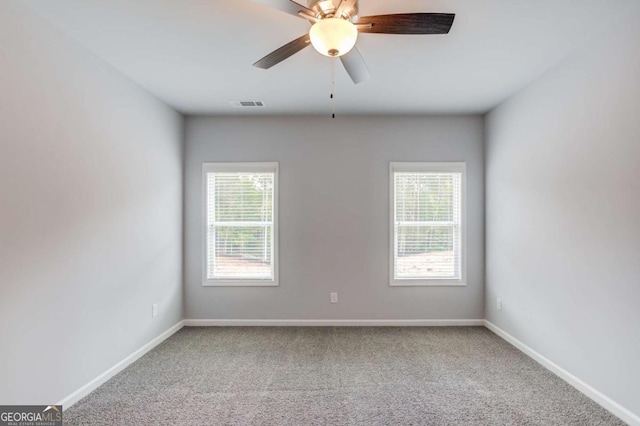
[
  {"x": 240, "y": 224},
  {"x": 427, "y": 224}
]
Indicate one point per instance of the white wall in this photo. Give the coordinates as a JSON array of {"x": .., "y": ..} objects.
[
  {"x": 563, "y": 214},
  {"x": 334, "y": 215},
  {"x": 90, "y": 213}
]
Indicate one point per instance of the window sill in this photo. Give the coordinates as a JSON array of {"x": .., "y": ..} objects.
[
  {"x": 427, "y": 283},
  {"x": 239, "y": 283}
]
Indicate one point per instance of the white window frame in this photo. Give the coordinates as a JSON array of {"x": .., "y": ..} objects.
[
  {"x": 428, "y": 167},
  {"x": 232, "y": 167}
]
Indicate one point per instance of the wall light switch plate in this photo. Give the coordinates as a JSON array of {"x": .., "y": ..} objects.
[
  {"x": 154, "y": 310},
  {"x": 499, "y": 304},
  {"x": 334, "y": 297}
]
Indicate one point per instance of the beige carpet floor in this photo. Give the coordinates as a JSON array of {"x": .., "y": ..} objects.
[{"x": 336, "y": 376}]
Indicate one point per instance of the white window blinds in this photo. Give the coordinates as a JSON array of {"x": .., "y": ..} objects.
[
  {"x": 427, "y": 221},
  {"x": 240, "y": 229}
]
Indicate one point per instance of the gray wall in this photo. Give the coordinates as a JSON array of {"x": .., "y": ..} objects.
[
  {"x": 90, "y": 213},
  {"x": 563, "y": 214},
  {"x": 334, "y": 215}
]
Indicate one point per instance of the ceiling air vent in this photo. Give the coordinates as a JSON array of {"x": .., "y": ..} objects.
[{"x": 246, "y": 104}]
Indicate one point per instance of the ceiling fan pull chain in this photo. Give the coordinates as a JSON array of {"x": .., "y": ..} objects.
[{"x": 333, "y": 88}]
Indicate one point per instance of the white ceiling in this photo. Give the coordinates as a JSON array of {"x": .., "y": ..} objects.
[{"x": 196, "y": 55}]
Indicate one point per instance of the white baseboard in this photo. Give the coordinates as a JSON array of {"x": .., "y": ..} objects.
[
  {"x": 329, "y": 323},
  {"x": 85, "y": 390},
  {"x": 607, "y": 403}
]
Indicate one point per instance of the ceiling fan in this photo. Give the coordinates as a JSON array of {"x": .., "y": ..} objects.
[{"x": 335, "y": 28}]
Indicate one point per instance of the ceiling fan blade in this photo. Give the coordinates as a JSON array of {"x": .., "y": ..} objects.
[
  {"x": 356, "y": 66},
  {"x": 288, "y": 6},
  {"x": 407, "y": 23},
  {"x": 283, "y": 52}
]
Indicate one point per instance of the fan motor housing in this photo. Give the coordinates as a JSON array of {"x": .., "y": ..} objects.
[{"x": 327, "y": 8}]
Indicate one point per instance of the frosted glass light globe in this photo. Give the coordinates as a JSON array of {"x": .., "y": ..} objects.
[{"x": 333, "y": 36}]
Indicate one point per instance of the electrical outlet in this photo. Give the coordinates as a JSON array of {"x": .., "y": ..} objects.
[
  {"x": 499, "y": 304},
  {"x": 154, "y": 310},
  {"x": 334, "y": 297}
]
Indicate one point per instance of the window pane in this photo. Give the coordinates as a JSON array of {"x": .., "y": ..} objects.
[
  {"x": 241, "y": 252},
  {"x": 242, "y": 197},
  {"x": 426, "y": 252},
  {"x": 425, "y": 196}
]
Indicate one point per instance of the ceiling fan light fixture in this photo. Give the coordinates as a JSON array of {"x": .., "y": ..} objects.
[{"x": 333, "y": 36}]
